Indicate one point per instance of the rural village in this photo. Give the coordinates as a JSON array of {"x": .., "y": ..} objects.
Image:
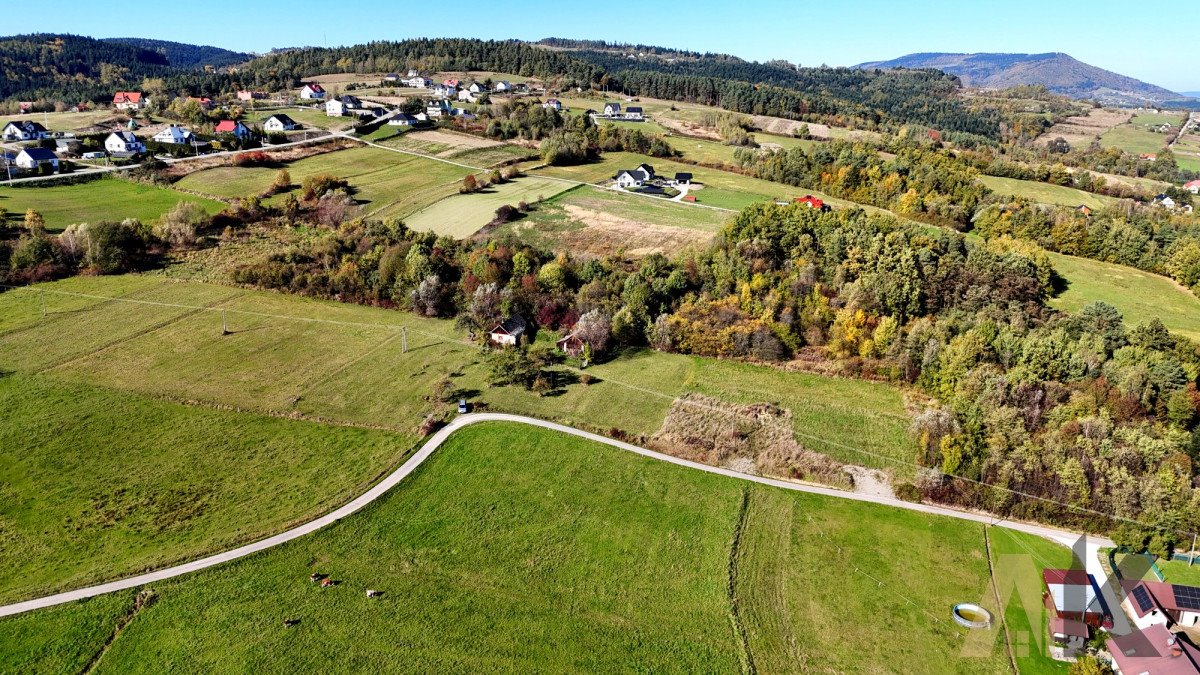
[{"x": 462, "y": 355}]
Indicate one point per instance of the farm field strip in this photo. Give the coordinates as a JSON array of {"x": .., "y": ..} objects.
[
  {"x": 1046, "y": 193},
  {"x": 461, "y": 216}
]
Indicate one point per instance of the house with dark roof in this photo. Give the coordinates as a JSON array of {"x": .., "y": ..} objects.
[
  {"x": 508, "y": 332},
  {"x": 612, "y": 109},
  {"x": 32, "y": 159},
  {"x": 279, "y": 122},
  {"x": 124, "y": 143},
  {"x": 174, "y": 135},
  {"x": 1154, "y": 651},
  {"x": 630, "y": 178},
  {"x": 683, "y": 178},
  {"x": 402, "y": 119},
  {"x": 24, "y": 131},
  {"x": 634, "y": 113}
]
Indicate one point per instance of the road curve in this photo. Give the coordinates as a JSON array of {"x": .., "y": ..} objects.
[{"x": 466, "y": 420}]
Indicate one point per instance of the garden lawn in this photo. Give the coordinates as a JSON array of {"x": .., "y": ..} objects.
[
  {"x": 519, "y": 549},
  {"x": 96, "y": 200},
  {"x": 460, "y": 216},
  {"x": 1139, "y": 296},
  {"x": 1046, "y": 193},
  {"x": 386, "y": 184}
]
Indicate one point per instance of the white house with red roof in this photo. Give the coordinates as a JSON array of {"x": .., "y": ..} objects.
[
  {"x": 1153, "y": 651},
  {"x": 128, "y": 100},
  {"x": 1155, "y": 603},
  {"x": 312, "y": 92},
  {"x": 1073, "y": 595},
  {"x": 1192, "y": 186},
  {"x": 233, "y": 127}
]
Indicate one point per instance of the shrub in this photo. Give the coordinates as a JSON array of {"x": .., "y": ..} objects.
[
  {"x": 317, "y": 185},
  {"x": 908, "y": 492},
  {"x": 179, "y": 225}
]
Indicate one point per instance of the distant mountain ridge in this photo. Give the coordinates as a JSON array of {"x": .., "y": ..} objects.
[
  {"x": 182, "y": 55},
  {"x": 1058, "y": 72}
]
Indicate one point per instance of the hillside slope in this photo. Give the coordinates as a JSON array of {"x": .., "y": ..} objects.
[
  {"x": 1060, "y": 73},
  {"x": 183, "y": 55}
]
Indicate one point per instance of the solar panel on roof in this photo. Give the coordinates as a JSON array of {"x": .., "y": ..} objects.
[
  {"x": 1187, "y": 597},
  {"x": 1143, "y": 598}
]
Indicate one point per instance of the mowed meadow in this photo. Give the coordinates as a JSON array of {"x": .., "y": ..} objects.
[
  {"x": 308, "y": 402},
  {"x": 519, "y": 549},
  {"x": 96, "y": 200}
]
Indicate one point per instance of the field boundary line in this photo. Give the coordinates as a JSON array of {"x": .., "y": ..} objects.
[
  {"x": 439, "y": 438},
  {"x": 987, "y": 547}
]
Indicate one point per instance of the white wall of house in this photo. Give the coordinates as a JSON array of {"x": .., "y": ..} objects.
[
  {"x": 503, "y": 339},
  {"x": 334, "y": 108}
]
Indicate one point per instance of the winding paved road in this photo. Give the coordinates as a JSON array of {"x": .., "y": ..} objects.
[{"x": 461, "y": 421}]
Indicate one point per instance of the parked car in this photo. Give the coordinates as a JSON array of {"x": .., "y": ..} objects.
[
  {"x": 462, "y": 405},
  {"x": 93, "y": 155}
]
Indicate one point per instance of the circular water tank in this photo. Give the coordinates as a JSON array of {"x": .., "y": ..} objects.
[{"x": 971, "y": 616}]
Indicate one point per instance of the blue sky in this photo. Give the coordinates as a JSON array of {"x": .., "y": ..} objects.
[{"x": 1113, "y": 35}]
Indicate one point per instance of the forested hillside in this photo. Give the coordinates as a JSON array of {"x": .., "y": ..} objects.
[{"x": 183, "y": 55}]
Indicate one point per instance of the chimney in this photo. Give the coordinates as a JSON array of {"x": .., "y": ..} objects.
[{"x": 1173, "y": 648}]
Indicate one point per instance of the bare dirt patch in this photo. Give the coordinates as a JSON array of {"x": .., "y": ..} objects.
[
  {"x": 711, "y": 431},
  {"x": 785, "y": 127},
  {"x": 290, "y": 154},
  {"x": 605, "y": 233},
  {"x": 689, "y": 128},
  {"x": 1080, "y": 130},
  {"x": 456, "y": 141}
]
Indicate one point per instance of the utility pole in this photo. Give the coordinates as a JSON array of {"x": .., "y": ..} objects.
[
  {"x": 224, "y": 324},
  {"x": 43, "y": 294},
  {"x": 404, "y": 340}
]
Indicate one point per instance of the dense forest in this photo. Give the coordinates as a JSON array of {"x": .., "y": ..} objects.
[
  {"x": 182, "y": 55},
  {"x": 71, "y": 68}
]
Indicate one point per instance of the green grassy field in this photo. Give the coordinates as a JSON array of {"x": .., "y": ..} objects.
[
  {"x": 721, "y": 189},
  {"x": 460, "y": 216},
  {"x": 155, "y": 485},
  {"x": 1140, "y": 296},
  {"x": 611, "y": 220},
  {"x": 518, "y": 549},
  {"x": 1137, "y": 140},
  {"x": 62, "y": 121},
  {"x": 387, "y": 184},
  {"x": 320, "y": 368},
  {"x": 715, "y": 152},
  {"x": 1046, "y": 193},
  {"x": 93, "y": 201},
  {"x": 487, "y": 157},
  {"x": 152, "y": 345}
]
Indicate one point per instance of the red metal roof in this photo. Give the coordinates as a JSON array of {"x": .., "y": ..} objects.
[
  {"x": 811, "y": 201},
  {"x": 127, "y": 97},
  {"x": 226, "y": 125},
  {"x": 1060, "y": 626},
  {"x": 1067, "y": 577},
  {"x": 1154, "y": 650}
]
